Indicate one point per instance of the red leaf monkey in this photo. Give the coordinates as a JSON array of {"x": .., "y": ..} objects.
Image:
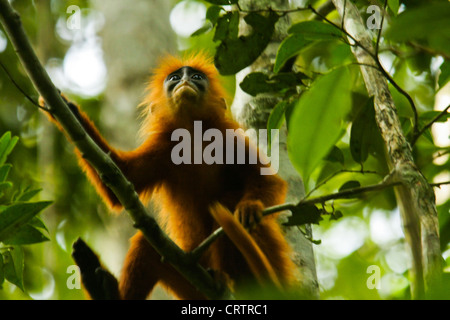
[{"x": 190, "y": 195}]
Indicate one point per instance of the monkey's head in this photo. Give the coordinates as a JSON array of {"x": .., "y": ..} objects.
[{"x": 187, "y": 88}]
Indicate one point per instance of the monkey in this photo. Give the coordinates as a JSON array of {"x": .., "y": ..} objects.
[{"x": 194, "y": 199}]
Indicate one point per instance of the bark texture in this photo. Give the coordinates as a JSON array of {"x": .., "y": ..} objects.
[{"x": 415, "y": 196}]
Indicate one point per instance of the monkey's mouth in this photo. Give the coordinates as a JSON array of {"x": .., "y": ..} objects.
[
  {"x": 186, "y": 92},
  {"x": 186, "y": 87}
]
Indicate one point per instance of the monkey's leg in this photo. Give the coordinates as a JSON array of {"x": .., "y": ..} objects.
[{"x": 143, "y": 269}]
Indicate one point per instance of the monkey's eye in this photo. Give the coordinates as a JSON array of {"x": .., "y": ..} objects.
[
  {"x": 198, "y": 77},
  {"x": 174, "y": 77}
]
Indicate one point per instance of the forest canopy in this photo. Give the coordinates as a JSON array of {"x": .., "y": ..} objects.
[{"x": 364, "y": 106}]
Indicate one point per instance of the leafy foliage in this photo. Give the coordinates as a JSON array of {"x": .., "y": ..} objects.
[
  {"x": 333, "y": 139},
  {"x": 19, "y": 223},
  {"x": 235, "y": 53},
  {"x": 309, "y": 142}
]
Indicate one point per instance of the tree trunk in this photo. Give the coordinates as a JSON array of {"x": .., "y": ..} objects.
[
  {"x": 415, "y": 196},
  {"x": 253, "y": 112},
  {"x": 136, "y": 34}
]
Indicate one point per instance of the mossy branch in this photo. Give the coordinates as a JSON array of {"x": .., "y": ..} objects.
[{"x": 415, "y": 195}]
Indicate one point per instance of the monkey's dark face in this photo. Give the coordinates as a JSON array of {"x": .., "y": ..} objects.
[{"x": 186, "y": 85}]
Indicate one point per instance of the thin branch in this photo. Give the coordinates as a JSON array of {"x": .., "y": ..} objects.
[
  {"x": 386, "y": 183},
  {"x": 343, "y": 15},
  {"x": 19, "y": 88},
  {"x": 428, "y": 125},
  {"x": 350, "y": 192},
  {"x": 377, "y": 47},
  {"x": 380, "y": 66},
  {"x": 337, "y": 173},
  {"x": 439, "y": 184}
]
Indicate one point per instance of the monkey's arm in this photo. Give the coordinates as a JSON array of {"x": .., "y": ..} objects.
[
  {"x": 140, "y": 166},
  {"x": 258, "y": 191}
]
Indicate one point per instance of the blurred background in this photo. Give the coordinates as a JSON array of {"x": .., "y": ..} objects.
[{"x": 100, "y": 53}]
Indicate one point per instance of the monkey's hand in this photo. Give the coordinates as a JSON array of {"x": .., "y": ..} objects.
[
  {"x": 249, "y": 213},
  {"x": 72, "y": 106}
]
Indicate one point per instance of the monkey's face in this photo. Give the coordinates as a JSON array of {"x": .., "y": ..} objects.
[{"x": 186, "y": 85}]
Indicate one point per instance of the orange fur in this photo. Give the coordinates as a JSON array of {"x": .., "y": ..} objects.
[{"x": 184, "y": 193}]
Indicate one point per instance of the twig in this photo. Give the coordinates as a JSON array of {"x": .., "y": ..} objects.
[
  {"x": 19, "y": 88},
  {"x": 428, "y": 125},
  {"x": 350, "y": 192},
  {"x": 335, "y": 174},
  {"x": 374, "y": 56},
  {"x": 439, "y": 184},
  {"x": 343, "y": 15},
  {"x": 386, "y": 183},
  {"x": 379, "y": 30}
]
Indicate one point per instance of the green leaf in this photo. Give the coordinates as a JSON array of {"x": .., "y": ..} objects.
[
  {"x": 304, "y": 214},
  {"x": 18, "y": 215},
  {"x": 4, "y": 186},
  {"x": 2, "y": 271},
  {"x": 336, "y": 215},
  {"x": 352, "y": 184},
  {"x": 444, "y": 76},
  {"x": 222, "y": 2},
  {"x": 291, "y": 46},
  {"x": 362, "y": 134},
  {"x": 335, "y": 155},
  {"x": 428, "y": 24},
  {"x": 276, "y": 117},
  {"x": 4, "y": 171},
  {"x": 13, "y": 266},
  {"x": 25, "y": 235},
  {"x": 204, "y": 29},
  {"x": 394, "y": 5},
  {"x": 316, "y": 30},
  {"x": 317, "y": 120},
  {"x": 37, "y": 223},
  {"x": 213, "y": 13},
  {"x": 227, "y": 27},
  {"x": 235, "y": 53},
  {"x": 4, "y": 143},
  {"x": 258, "y": 82},
  {"x": 430, "y": 115},
  {"x": 28, "y": 194},
  {"x": 7, "y": 144}
]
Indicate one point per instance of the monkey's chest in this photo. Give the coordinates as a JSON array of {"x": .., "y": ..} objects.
[{"x": 195, "y": 180}]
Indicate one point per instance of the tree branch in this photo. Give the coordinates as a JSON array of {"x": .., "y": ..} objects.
[
  {"x": 367, "y": 48},
  {"x": 415, "y": 196},
  {"x": 386, "y": 183},
  {"x": 439, "y": 184},
  {"x": 428, "y": 125},
  {"x": 115, "y": 180}
]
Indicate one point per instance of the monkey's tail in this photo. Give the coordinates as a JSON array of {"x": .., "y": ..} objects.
[{"x": 256, "y": 259}]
